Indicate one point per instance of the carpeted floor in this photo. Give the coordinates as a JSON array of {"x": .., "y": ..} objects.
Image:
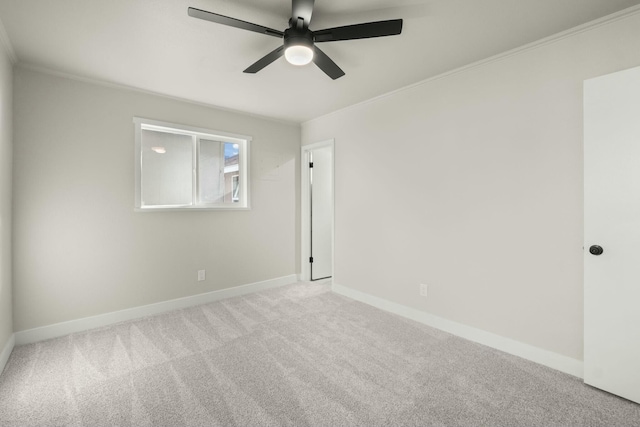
[{"x": 293, "y": 356}]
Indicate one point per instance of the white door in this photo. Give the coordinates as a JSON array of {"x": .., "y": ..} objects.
[
  {"x": 612, "y": 222},
  {"x": 321, "y": 192}
]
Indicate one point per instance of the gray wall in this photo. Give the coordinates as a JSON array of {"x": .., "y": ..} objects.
[
  {"x": 6, "y": 122},
  {"x": 79, "y": 248},
  {"x": 472, "y": 183}
]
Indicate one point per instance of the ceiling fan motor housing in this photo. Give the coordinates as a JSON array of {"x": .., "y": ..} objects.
[{"x": 296, "y": 37}]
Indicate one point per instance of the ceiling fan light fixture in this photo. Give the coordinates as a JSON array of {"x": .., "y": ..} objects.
[
  {"x": 298, "y": 54},
  {"x": 298, "y": 46}
]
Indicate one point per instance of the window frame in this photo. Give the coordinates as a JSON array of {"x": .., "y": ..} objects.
[{"x": 243, "y": 141}]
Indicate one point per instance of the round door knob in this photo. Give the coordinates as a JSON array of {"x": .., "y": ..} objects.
[{"x": 596, "y": 250}]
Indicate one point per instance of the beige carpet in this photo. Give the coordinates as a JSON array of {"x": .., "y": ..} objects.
[{"x": 293, "y": 356}]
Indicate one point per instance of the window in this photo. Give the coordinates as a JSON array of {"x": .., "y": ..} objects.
[{"x": 180, "y": 167}]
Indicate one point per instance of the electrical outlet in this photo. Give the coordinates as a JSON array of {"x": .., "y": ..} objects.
[
  {"x": 423, "y": 289},
  {"x": 202, "y": 274}
]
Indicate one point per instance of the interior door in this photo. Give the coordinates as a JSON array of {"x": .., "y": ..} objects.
[
  {"x": 321, "y": 192},
  {"x": 612, "y": 233}
]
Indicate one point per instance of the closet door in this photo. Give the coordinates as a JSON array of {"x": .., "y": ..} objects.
[{"x": 612, "y": 233}]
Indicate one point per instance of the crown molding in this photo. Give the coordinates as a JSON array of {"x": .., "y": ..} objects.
[
  {"x": 120, "y": 86},
  {"x": 591, "y": 25},
  {"x": 6, "y": 42}
]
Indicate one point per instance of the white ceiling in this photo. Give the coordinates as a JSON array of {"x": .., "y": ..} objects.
[{"x": 154, "y": 45}]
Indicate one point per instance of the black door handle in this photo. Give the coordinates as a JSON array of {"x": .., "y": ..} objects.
[{"x": 596, "y": 250}]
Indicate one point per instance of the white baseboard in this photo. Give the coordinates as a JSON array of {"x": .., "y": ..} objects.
[
  {"x": 544, "y": 357},
  {"x": 6, "y": 352},
  {"x": 78, "y": 325}
]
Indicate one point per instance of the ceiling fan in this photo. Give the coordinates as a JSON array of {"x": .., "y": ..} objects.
[{"x": 299, "y": 41}]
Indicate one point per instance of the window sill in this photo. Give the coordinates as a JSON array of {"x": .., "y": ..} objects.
[{"x": 189, "y": 208}]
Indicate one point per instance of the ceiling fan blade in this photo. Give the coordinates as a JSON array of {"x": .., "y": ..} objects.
[
  {"x": 359, "y": 31},
  {"x": 233, "y": 22},
  {"x": 302, "y": 9},
  {"x": 326, "y": 64},
  {"x": 265, "y": 60}
]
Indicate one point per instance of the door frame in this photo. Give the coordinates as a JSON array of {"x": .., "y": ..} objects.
[{"x": 305, "y": 202}]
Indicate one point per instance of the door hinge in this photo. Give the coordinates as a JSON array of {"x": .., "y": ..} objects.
[
  {"x": 310, "y": 164},
  {"x": 311, "y": 259}
]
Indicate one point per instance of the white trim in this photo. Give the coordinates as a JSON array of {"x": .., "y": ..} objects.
[
  {"x": 305, "y": 226},
  {"x": 6, "y": 352},
  {"x": 79, "y": 325},
  {"x": 6, "y": 42},
  {"x": 121, "y": 86},
  {"x": 625, "y": 13},
  {"x": 605, "y": 20},
  {"x": 535, "y": 354},
  {"x": 179, "y": 208}
]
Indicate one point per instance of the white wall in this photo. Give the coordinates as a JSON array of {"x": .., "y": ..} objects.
[
  {"x": 79, "y": 247},
  {"x": 6, "y": 122},
  {"x": 472, "y": 183}
]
